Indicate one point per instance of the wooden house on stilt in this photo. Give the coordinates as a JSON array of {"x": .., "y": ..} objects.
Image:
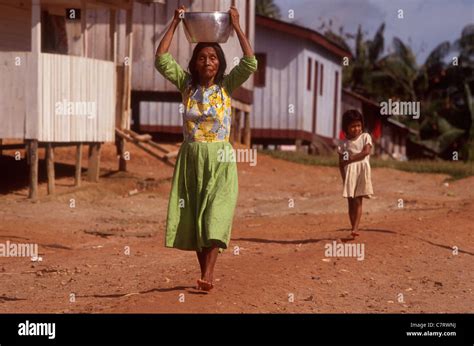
[
  {"x": 298, "y": 85},
  {"x": 298, "y": 95},
  {"x": 63, "y": 67}
]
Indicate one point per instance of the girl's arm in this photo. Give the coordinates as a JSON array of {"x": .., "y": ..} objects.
[
  {"x": 342, "y": 165},
  {"x": 360, "y": 156},
  {"x": 166, "y": 40},
  {"x": 244, "y": 42}
]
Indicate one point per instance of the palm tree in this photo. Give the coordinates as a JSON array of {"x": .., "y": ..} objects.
[
  {"x": 361, "y": 74},
  {"x": 469, "y": 148},
  {"x": 450, "y": 87},
  {"x": 460, "y": 86},
  {"x": 401, "y": 68},
  {"x": 267, "y": 8},
  {"x": 442, "y": 88},
  {"x": 426, "y": 84}
]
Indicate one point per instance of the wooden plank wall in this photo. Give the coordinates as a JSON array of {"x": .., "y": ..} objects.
[
  {"x": 15, "y": 48},
  {"x": 93, "y": 81},
  {"x": 325, "y": 115},
  {"x": 13, "y": 83},
  {"x": 15, "y": 24},
  {"x": 285, "y": 83},
  {"x": 286, "y": 76},
  {"x": 160, "y": 113},
  {"x": 98, "y": 34}
]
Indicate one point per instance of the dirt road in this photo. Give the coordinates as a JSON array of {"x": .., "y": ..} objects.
[{"x": 102, "y": 244}]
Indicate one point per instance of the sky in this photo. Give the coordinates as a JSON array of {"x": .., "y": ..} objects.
[{"x": 425, "y": 25}]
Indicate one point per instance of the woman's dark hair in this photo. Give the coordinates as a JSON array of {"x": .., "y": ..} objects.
[
  {"x": 350, "y": 116},
  {"x": 192, "y": 63}
]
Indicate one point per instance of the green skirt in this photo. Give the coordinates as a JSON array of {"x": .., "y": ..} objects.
[{"x": 203, "y": 197}]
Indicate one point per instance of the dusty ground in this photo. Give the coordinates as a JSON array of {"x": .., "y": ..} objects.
[{"x": 281, "y": 265}]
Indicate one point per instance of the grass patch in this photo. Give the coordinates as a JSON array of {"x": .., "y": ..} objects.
[{"x": 456, "y": 169}]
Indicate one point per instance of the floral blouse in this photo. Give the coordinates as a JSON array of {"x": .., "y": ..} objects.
[{"x": 207, "y": 114}]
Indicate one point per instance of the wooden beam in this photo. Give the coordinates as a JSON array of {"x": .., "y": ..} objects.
[
  {"x": 237, "y": 128},
  {"x": 40, "y": 145},
  {"x": 33, "y": 158},
  {"x": 127, "y": 85},
  {"x": 157, "y": 146},
  {"x": 78, "y": 168},
  {"x": 50, "y": 167},
  {"x": 247, "y": 131},
  {"x": 124, "y": 88},
  {"x": 233, "y": 112},
  {"x": 36, "y": 26},
  {"x": 113, "y": 4},
  {"x": 119, "y": 92},
  {"x": 120, "y": 145},
  {"x": 119, "y": 142},
  {"x": 143, "y": 138},
  {"x": 240, "y": 105},
  {"x": 92, "y": 4},
  {"x": 139, "y": 137},
  {"x": 13, "y": 146},
  {"x": 26, "y": 146},
  {"x": 93, "y": 170},
  {"x": 172, "y": 154},
  {"x": 143, "y": 147},
  {"x": 147, "y": 139},
  {"x": 299, "y": 144},
  {"x": 113, "y": 35},
  {"x": 84, "y": 27}
]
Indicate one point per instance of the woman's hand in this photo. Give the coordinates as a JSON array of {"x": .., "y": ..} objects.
[
  {"x": 179, "y": 13},
  {"x": 234, "y": 17},
  {"x": 244, "y": 42},
  {"x": 165, "y": 42}
]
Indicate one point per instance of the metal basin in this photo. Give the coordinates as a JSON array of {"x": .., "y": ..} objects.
[{"x": 207, "y": 26}]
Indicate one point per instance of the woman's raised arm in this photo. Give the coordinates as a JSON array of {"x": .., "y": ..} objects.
[
  {"x": 165, "y": 63},
  {"x": 166, "y": 40},
  {"x": 244, "y": 42}
]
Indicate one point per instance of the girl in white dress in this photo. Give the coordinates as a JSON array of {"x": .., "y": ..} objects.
[{"x": 354, "y": 153}]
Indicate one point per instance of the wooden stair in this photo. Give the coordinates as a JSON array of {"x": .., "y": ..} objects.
[{"x": 164, "y": 152}]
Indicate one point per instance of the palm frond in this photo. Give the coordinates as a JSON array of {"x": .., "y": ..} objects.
[
  {"x": 437, "y": 55},
  {"x": 376, "y": 46}
]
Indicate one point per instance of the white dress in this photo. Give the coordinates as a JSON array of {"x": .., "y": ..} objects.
[{"x": 358, "y": 182}]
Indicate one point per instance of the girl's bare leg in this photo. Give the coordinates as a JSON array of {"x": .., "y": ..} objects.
[
  {"x": 357, "y": 214},
  {"x": 350, "y": 203}
]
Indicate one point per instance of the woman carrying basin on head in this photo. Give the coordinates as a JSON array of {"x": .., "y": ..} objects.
[{"x": 204, "y": 191}]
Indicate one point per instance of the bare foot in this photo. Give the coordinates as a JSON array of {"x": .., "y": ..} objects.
[
  {"x": 205, "y": 285},
  {"x": 355, "y": 234}
]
